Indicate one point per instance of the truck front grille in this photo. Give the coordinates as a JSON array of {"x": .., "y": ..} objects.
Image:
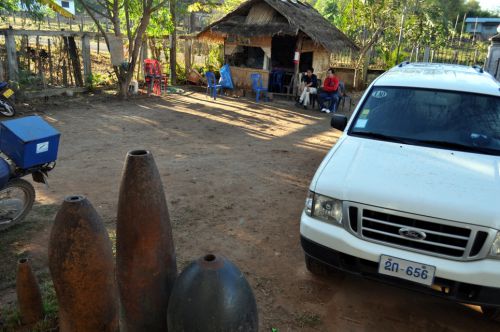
[{"x": 436, "y": 237}]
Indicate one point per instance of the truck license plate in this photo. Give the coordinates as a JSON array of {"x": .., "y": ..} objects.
[
  {"x": 8, "y": 93},
  {"x": 401, "y": 268}
]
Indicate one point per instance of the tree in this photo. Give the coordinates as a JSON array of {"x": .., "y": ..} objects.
[{"x": 132, "y": 16}]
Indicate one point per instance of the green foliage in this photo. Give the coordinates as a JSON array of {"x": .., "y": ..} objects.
[
  {"x": 28, "y": 79},
  {"x": 214, "y": 59},
  {"x": 33, "y": 8},
  {"x": 161, "y": 24},
  {"x": 98, "y": 80}
]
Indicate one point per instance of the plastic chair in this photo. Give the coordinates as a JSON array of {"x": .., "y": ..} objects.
[
  {"x": 277, "y": 80},
  {"x": 155, "y": 81},
  {"x": 212, "y": 86},
  {"x": 257, "y": 85},
  {"x": 343, "y": 96}
]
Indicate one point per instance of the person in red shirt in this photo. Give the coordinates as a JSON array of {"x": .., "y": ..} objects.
[{"x": 330, "y": 92}]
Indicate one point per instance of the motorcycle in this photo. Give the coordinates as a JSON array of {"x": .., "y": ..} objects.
[
  {"x": 6, "y": 107},
  {"x": 16, "y": 194}
]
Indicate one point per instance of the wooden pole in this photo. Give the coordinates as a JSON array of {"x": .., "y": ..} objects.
[
  {"x": 187, "y": 55},
  {"x": 65, "y": 73},
  {"x": 173, "y": 44},
  {"x": 87, "y": 69},
  {"x": 2, "y": 78},
  {"x": 41, "y": 74},
  {"x": 10, "y": 44},
  {"x": 462, "y": 31},
  {"x": 51, "y": 67},
  {"x": 298, "y": 48}
]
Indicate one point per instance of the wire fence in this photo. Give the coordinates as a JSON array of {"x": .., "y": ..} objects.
[{"x": 462, "y": 53}]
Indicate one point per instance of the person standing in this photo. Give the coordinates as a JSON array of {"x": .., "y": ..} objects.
[
  {"x": 310, "y": 84},
  {"x": 330, "y": 92}
]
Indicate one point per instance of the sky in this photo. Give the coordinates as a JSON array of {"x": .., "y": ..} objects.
[{"x": 490, "y": 4}]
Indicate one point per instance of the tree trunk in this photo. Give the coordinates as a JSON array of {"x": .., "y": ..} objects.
[{"x": 173, "y": 42}]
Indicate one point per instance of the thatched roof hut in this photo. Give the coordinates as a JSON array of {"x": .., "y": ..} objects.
[{"x": 264, "y": 36}]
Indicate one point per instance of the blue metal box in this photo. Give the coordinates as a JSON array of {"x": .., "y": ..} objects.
[{"x": 29, "y": 141}]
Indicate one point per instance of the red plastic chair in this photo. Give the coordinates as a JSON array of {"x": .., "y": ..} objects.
[{"x": 155, "y": 80}]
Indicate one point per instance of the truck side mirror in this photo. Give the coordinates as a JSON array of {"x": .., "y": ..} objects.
[{"x": 339, "y": 122}]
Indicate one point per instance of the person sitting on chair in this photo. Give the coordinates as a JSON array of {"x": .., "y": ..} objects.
[
  {"x": 330, "y": 92},
  {"x": 309, "y": 84}
]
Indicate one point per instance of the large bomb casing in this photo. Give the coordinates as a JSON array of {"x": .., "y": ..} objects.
[
  {"x": 212, "y": 295},
  {"x": 82, "y": 269},
  {"x": 146, "y": 262}
]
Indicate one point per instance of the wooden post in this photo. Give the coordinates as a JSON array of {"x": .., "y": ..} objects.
[
  {"x": 10, "y": 44},
  {"x": 2, "y": 75},
  {"x": 58, "y": 21},
  {"x": 298, "y": 48},
  {"x": 87, "y": 69},
  {"x": 98, "y": 43},
  {"x": 41, "y": 74},
  {"x": 187, "y": 55},
  {"x": 426, "y": 54},
  {"x": 51, "y": 67},
  {"x": 65, "y": 73}
]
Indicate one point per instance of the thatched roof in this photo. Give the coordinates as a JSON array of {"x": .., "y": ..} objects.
[{"x": 278, "y": 17}]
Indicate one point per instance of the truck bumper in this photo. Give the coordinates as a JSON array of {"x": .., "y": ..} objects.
[{"x": 345, "y": 252}]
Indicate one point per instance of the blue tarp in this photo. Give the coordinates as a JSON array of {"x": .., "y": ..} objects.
[{"x": 225, "y": 77}]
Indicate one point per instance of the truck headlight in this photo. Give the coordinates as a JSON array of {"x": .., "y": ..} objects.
[
  {"x": 324, "y": 208},
  {"x": 495, "y": 247}
]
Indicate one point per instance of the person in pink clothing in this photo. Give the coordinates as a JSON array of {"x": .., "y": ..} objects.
[{"x": 330, "y": 92}]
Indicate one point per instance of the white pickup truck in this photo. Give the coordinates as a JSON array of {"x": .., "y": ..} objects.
[{"x": 410, "y": 193}]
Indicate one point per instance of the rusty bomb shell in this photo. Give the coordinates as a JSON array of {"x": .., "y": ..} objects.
[
  {"x": 212, "y": 295},
  {"x": 146, "y": 262},
  {"x": 29, "y": 298},
  {"x": 82, "y": 269}
]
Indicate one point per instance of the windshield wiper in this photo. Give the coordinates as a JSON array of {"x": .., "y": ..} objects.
[
  {"x": 380, "y": 136},
  {"x": 457, "y": 146}
]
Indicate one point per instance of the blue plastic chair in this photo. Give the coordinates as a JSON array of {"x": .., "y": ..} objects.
[
  {"x": 212, "y": 86},
  {"x": 277, "y": 80},
  {"x": 257, "y": 85}
]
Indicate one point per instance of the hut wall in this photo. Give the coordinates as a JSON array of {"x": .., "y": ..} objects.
[
  {"x": 241, "y": 77},
  {"x": 321, "y": 62},
  {"x": 264, "y": 41}
]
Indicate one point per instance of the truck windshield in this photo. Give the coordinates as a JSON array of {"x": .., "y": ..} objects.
[{"x": 436, "y": 118}]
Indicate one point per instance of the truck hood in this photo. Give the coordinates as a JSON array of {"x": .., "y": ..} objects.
[{"x": 438, "y": 183}]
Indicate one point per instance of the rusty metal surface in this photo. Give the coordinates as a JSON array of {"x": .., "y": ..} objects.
[
  {"x": 29, "y": 299},
  {"x": 146, "y": 263},
  {"x": 82, "y": 269}
]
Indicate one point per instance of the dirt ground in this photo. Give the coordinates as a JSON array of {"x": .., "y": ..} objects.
[{"x": 236, "y": 175}]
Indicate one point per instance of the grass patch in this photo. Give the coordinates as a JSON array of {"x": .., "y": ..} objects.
[
  {"x": 308, "y": 319},
  {"x": 12, "y": 316}
]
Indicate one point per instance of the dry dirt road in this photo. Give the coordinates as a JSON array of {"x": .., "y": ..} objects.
[{"x": 235, "y": 174}]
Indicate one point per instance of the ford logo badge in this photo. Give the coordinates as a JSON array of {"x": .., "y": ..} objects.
[{"x": 412, "y": 233}]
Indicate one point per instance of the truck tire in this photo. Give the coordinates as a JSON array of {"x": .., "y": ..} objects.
[
  {"x": 319, "y": 268},
  {"x": 491, "y": 313}
]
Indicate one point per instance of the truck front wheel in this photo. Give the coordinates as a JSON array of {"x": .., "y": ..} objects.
[
  {"x": 492, "y": 313},
  {"x": 319, "y": 268}
]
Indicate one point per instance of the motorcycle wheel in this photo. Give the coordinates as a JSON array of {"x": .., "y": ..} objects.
[
  {"x": 6, "y": 108},
  {"x": 16, "y": 201}
]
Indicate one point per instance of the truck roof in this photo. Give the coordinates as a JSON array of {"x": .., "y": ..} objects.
[{"x": 441, "y": 77}]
